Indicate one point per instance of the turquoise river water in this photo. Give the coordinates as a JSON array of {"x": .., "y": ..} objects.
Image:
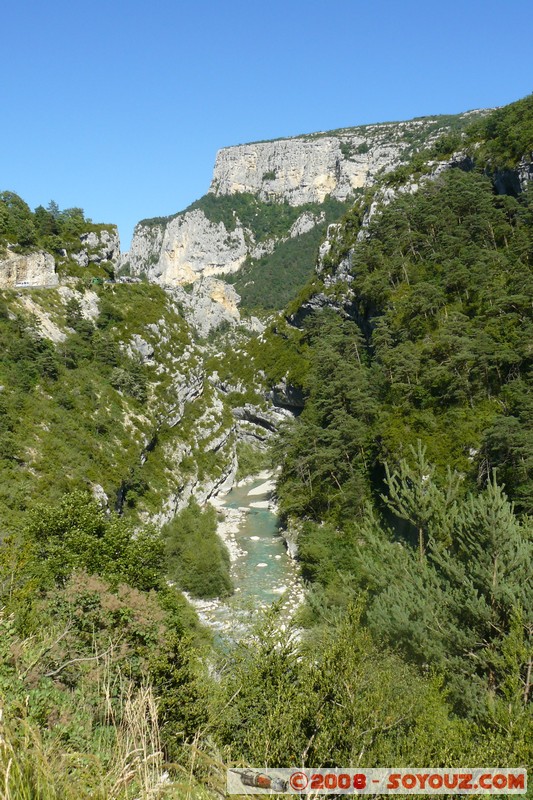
[{"x": 261, "y": 570}]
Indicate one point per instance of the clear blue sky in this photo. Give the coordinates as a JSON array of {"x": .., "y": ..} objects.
[{"x": 119, "y": 107}]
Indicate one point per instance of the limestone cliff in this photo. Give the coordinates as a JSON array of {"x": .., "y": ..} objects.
[
  {"x": 298, "y": 171},
  {"x": 306, "y": 169},
  {"x": 98, "y": 246},
  {"x": 189, "y": 246},
  {"x": 210, "y": 304},
  {"x": 32, "y": 269}
]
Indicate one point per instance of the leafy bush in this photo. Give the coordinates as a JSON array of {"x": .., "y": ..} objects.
[
  {"x": 76, "y": 534},
  {"x": 196, "y": 559},
  {"x": 251, "y": 460},
  {"x": 131, "y": 380},
  {"x": 279, "y": 700}
]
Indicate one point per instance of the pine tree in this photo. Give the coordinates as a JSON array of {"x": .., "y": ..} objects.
[
  {"x": 415, "y": 496},
  {"x": 465, "y": 608},
  {"x": 487, "y": 572}
]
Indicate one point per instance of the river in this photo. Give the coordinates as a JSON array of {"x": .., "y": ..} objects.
[{"x": 261, "y": 570}]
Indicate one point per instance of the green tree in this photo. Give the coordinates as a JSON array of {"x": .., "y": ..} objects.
[
  {"x": 45, "y": 222},
  {"x": 328, "y": 450},
  {"x": 196, "y": 559},
  {"x": 18, "y": 226},
  {"x": 285, "y": 702},
  {"x": 73, "y": 312},
  {"x": 457, "y": 609},
  {"x": 180, "y": 687},
  {"x": 53, "y": 209},
  {"x": 414, "y": 495},
  {"x": 76, "y": 534}
]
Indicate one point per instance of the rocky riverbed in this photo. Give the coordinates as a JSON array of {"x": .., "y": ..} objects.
[{"x": 261, "y": 569}]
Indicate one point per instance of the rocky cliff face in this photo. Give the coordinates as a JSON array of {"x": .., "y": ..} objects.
[
  {"x": 301, "y": 170},
  {"x": 32, "y": 269},
  {"x": 306, "y": 169},
  {"x": 189, "y": 246},
  {"x": 98, "y": 246},
  {"x": 210, "y": 304},
  {"x": 38, "y": 269}
]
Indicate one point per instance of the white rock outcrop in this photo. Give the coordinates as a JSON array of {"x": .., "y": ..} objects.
[
  {"x": 98, "y": 246},
  {"x": 210, "y": 303},
  {"x": 31, "y": 269},
  {"x": 305, "y": 222},
  {"x": 300, "y": 170},
  {"x": 47, "y": 327},
  {"x": 88, "y": 300},
  {"x": 188, "y": 247},
  {"x": 305, "y": 169}
]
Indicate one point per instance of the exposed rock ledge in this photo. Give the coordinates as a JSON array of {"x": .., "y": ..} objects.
[
  {"x": 98, "y": 247},
  {"x": 180, "y": 251},
  {"x": 305, "y": 169},
  {"x": 209, "y": 304},
  {"x": 269, "y": 419},
  {"x": 31, "y": 270}
]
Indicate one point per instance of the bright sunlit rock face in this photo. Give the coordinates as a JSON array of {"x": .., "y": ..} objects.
[
  {"x": 306, "y": 169},
  {"x": 33, "y": 269}
]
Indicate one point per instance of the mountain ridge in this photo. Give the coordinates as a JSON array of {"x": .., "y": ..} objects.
[
  {"x": 363, "y": 125},
  {"x": 310, "y": 169}
]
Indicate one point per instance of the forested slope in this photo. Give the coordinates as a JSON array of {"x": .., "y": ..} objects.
[{"x": 409, "y": 473}]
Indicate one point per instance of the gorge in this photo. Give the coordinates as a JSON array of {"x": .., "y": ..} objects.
[{"x": 347, "y": 314}]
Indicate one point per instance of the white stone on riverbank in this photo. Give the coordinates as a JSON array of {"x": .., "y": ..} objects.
[
  {"x": 264, "y": 475},
  {"x": 264, "y": 488},
  {"x": 235, "y": 618},
  {"x": 226, "y": 528}
]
